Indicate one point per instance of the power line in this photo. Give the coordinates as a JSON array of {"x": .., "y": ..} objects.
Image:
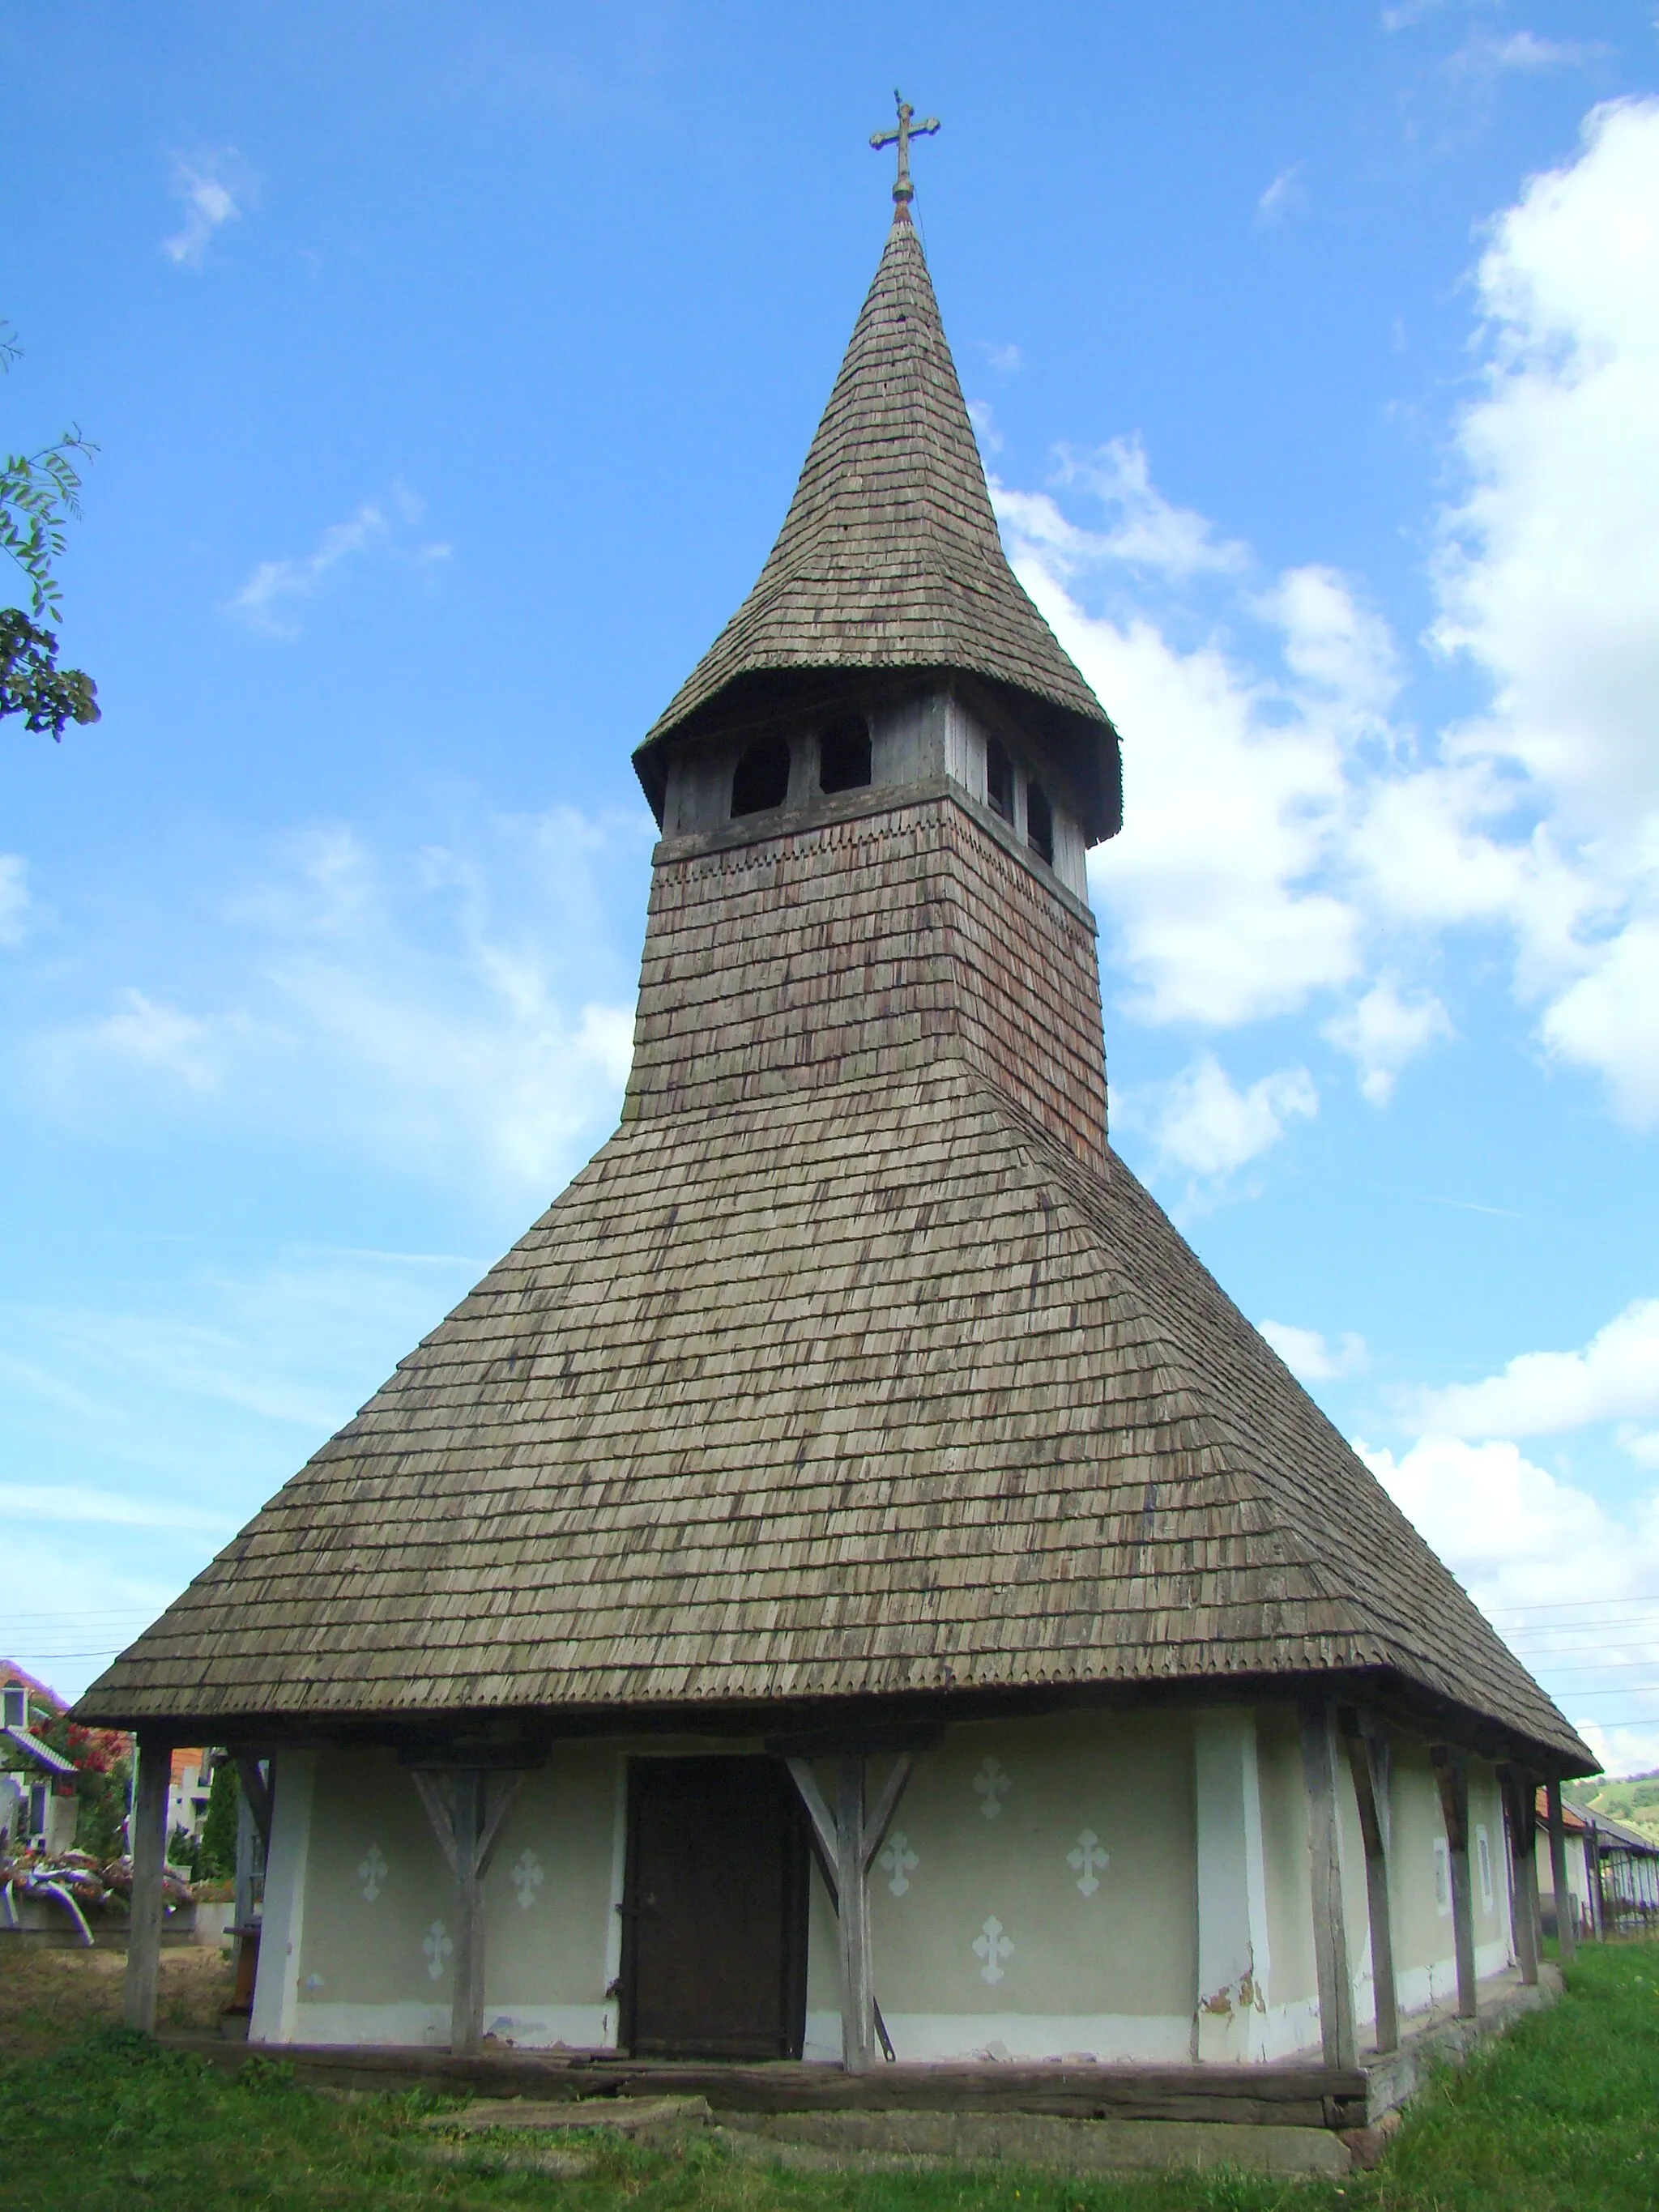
[{"x": 1573, "y": 1604}]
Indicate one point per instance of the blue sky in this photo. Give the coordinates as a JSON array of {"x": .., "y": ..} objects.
[{"x": 451, "y": 367}]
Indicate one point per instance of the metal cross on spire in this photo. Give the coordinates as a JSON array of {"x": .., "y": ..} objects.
[{"x": 903, "y": 190}]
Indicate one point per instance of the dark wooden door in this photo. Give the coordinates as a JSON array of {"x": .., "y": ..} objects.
[{"x": 714, "y": 1917}]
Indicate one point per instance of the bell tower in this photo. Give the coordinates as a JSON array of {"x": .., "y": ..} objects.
[{"x": 878, "y": 789}]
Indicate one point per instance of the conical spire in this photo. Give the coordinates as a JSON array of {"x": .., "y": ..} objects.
[{"x": 888, "y": 557}]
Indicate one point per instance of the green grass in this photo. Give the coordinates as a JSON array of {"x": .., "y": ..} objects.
[{"x": 1564, "y": 2112}]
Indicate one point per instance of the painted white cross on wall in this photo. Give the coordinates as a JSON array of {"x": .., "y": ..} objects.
[
  {"x": 527, "y": 1875},
  {"x": 1088, "y": 1861},
  {"x": 372, "y": 1871},
  {"x": 438, "y": 1944},
  {"x": 900, "y": 1861},
  {"x": 993, "y": 1783},
  {"x": 993, "y": 1946}
]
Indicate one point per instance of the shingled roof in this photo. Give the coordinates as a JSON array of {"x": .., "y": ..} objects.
[
  {"x": 889, "y": 557},
  {"x": 874, "y": 1391},
  {"x": 855, "y": 1367}
]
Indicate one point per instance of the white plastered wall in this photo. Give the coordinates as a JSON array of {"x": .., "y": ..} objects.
[
  {"x": 359, "y": 1919},
  {"x": 1419, "y": 1885},
  {"x": 1035, "y": 1898}
]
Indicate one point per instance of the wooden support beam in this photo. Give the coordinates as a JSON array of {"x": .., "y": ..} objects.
[
  {"x": 1369, "y": 1763},
  {"x": 833, "y": 1847},
  {"x": 820, "y": 1821},
  {"x": 1452, "y": 1774},
  {"x": 852, "y": 1916},
  {"x": 150, "y": 1854},
  {"x": 881, "y": 1819},
  {"x": 470, "y": 1814},
  {"x": 468, "y": 1831},
  {"x": 256, "y": 1789},
  {"x": 1336, "y": 2029},
  {"x": 1521, "y": 1818},
  {"x": 1566, "y": 1913}
]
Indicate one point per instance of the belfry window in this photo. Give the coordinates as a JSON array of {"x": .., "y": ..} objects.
[
  {"x": 999, "y": 780},
  {"x": 1039, "y": 822},
  {"x": 844, "y": 754},
  {"x": 761, "y": 779}
]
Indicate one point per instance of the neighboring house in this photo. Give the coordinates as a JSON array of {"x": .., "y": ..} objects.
[
  {"x": 38, "y": 1800},
  {"x": 1581, "y": 1870},
  {"x": 1627, "y": 1862},
  {"x": 187, "y": 1794}
]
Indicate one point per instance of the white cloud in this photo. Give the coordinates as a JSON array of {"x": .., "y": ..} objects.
[
  {"x": 488, "y": 1039},
  {"x": 1231, "y": 810},
  {"x": 457, "y": 1012},
  {"x": 1340, "y": 649},
  {"x": 266, "y": 601},
  {"x": 1524, "y": 51},
  {"x": 1550, "y": 583},
  {"x": 1144, "y": 529},
  {"x": 1609, "y": 1020},
  {"x": 1547, "y": 1561},
  {"x": 1287, "y": 839},
  {"x": 1383, "y": 1031},
  {"x": 13, "y": 898},
  {"x": 67, "y": 1501},
  {"x": 1405, "y": 13},
  {"x": 1202, "y": 1123},
  {"x": 1286, "y": 193},
  {"x": 1307, "y": 1356},
  {"x": 1615, "y": 1377},
  {"x": 145, "y": 1032},
  {"x": 1002, "y": 360},
  {"x": 211, "y": 187},
  {"x": 983, "y": 417}
]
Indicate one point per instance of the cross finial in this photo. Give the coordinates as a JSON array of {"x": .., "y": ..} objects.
[{"x": 903, "y": 190}]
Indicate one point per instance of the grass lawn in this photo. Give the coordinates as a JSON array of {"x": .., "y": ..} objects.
[{"x": 1564, "y": 2112}]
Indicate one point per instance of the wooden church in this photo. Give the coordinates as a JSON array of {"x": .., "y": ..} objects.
[{"x": 848, "y": 1585}]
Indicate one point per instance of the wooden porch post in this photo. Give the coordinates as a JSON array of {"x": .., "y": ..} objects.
[
  {"x": 1520, "y": 1806},
  {"x": 467, "y": 2006},
  {"x": 853, "y": 1891},
  {"x": 468, "y": 1833},
  {"x": 845, "y": 1843},
  {"x": 150, "y": 1854},
  {"x": 1452, "y": 1774},
  {"x": 252, "y": 1850},
  {"x": 1330, "y": 1933},
  {"x": 1368, "y": 1761},
  {"x": 1566, "y": 1913}
]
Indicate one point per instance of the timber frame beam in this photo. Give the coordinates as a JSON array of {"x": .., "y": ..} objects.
[
  {"x": 845, "y": 1843},
  {"x": 1567, "y": 1914},
  {"x": 1368, "y": 1762},
  {"x": 1520, "y": 1818},
  {"x": 149, "y": 1855},
  {"x": 1451, "y": 1774},
  {"x": 1330, "y": 1933},
  {"x": 468, "y": 1829}
]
